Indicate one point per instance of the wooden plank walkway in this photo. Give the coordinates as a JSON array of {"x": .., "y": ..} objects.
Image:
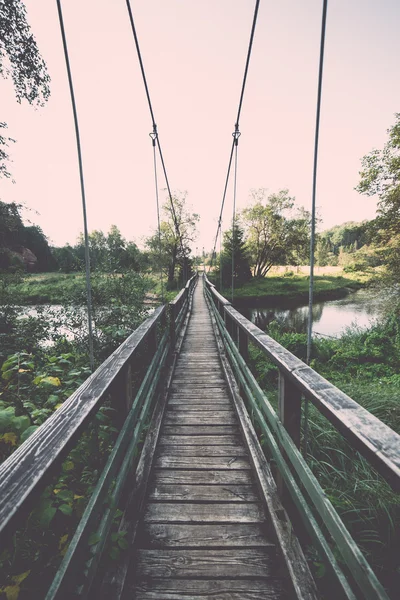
[{"x": 204, "y": 529}]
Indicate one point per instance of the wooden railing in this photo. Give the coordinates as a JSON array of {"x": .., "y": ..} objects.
[
  {"x": 379, "y": 444},
  {"x": 30, "y": 468}
]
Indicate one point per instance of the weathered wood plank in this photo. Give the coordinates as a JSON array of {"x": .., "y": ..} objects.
[
  {"x": 219, "y": 417},
  {"x": 200, "y": 406},
  {"x": 257, "y": 562},
  {"x": 203, "y": 493},
  {"x": 166, "y": 535},
  {"x": 184, "y": 512},
  {"x": 233, "y": 463},
  {"x": 200, "y": 403},
  {"x": 200, "y": 451},
  {"x": 212, "y": 589},
  {"x": 171, "y": 476},
  {"x": 201, "y": 440},
  {"x": 194, "y": 430}
]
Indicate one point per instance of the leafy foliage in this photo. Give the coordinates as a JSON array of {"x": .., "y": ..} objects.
[
  {"x": 167, "y": 253},
  {"x": 274, "y": 234},
  {"x": 20, "y": 59},
  {"x": 380, "y": 175}
]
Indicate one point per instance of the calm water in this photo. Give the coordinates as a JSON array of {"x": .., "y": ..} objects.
[{"x": 329, "y": 318}]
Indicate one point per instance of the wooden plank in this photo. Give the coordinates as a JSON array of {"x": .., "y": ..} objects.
[
  {"x": 200, "y": 430},
  {"x": 166, "y": 535},
  {"x": 200, "y": 394},
  {"x": 218, "y": 417},
  {"x": 184, "y": 512},
  {"x": 200, "y": 451},
  {"x": 200, "y": 406},
  {"x": 203, "y": 493},
  {"x": 200, "y": 403},
  {"x": 171, "y": 476},
  {"x": 257, "y": 562},
  {"x": 201, "y": 440},
  {"x": 206, "y": 462},
  {"x": 211, "y": 589}
]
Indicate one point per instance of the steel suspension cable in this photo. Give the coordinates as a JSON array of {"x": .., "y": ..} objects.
[
  {"x": 236, "y": 139},
  {"x": 246, "y": 69},
  {"x": 139, "y": 54},
  {"x": 314, "y": 188},
  {"x": 314, "y": 184},
  {"x": 85, "y": 226},
  {"x": 153, "y": 139}
]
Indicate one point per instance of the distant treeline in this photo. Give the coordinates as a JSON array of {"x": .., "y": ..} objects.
[{"x": 26, "y": 248}]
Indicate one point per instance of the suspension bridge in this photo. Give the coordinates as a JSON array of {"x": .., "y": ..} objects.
[
  {"x": 202, "y": 502},
  {"x": 206, "y": 481}
]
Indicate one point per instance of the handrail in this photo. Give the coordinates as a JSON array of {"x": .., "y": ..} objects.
[
  {"x": 23, "y": 471},
  {"x": 27, "y": 469},
  {"x": 282, "y": 439},
  {"x": 365, "y": 432}
]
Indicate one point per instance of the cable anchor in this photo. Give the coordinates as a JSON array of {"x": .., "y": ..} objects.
[
  {"x": 236, "y": 134},
  {"x": 154, "y": 134}
]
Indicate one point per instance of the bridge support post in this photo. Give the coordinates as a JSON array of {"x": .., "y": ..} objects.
[
  {"x": 172, "y": 331},
  {"x": 289, "y": 409},
  {"x": 289, "y": 405}
]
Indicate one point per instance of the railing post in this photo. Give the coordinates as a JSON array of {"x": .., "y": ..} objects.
[
  {"x": 289, "y": 406},
  {"x": 243, "y": 344},
  {"x": 172, "y": 330}
]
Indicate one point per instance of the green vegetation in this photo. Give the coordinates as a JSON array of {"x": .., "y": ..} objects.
[
  {"x": 294, "y": 288},
  {"x": 365, "y": 365}
]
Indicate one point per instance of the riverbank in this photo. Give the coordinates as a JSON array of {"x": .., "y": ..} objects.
[{"x": 288, "y": 290}]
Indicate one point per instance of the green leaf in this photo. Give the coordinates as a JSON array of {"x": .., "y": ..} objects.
[
  {"x": 28, "y": 432},
  {"x": 21, "y": 423},
  {"x": 6, "y": 416},
  {"x": 66, "y": 509},
  {"x": 94, "y": 538},
  {"x": 65, "y": 495},
  {"x": 123, "y": 543},
  {"x": 46, "y": 516}
]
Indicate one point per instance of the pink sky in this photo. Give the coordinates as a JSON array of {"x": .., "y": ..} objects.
[{"x": 194, "y": 54}]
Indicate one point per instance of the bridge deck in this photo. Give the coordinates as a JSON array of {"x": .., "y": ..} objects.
[{"x": 204, "y": 532}]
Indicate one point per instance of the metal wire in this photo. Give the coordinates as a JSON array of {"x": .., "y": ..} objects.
[
  {"x": 153, "y": 139},
  {"x": 236, "y": 140},
  {"x": 312, "y": 239},
  {"x": 139, "y": 54},
  {"x": 246, "y": 69},
  {"x": 85, "y": 226}
]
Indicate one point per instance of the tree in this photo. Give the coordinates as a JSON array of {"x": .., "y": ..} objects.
[
  {"x": 37, "y": 242},
  {"x": 173, "y": 254},
  {"x": 241, "y": 271},
  {"x": 20, "y": 59},
  {"x": 380, "y": 175},
  {"x": 272, "y": 237}
]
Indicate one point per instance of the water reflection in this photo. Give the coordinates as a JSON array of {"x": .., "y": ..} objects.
[{"x": 329, "y": 318}]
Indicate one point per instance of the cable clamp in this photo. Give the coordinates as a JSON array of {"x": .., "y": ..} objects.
[
  {"x": 236, "y": 134},
  {"x": 154, "y": 134}
]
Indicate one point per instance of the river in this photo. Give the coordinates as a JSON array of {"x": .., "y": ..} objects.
[{"x": 330, "y": 318}]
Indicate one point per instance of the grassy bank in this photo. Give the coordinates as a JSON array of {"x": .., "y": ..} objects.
[{"x": 290, "y": 288}]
